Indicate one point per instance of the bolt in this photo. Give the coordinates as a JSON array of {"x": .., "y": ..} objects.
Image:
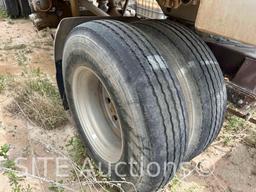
[
  {"x": 108, "y": 100},
  {"x": 115, "y": 117}
]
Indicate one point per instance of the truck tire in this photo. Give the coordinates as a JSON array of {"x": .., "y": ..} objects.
[
  {"x": 200, "y": 78},
  {"x": 126, "y": 103},
  {"x": 11, "y": 7},
  {"x": 25, "y": 9},
  {"x": 2, "y": 5}
]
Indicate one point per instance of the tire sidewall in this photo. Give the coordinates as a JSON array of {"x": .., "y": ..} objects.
[
  {"x": 12, "y": 8},
  {"x": 2, "y": 5},
  {"x": 118, "y": 90}
]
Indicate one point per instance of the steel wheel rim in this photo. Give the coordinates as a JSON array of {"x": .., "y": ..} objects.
[{"x": 97, "y": 114}]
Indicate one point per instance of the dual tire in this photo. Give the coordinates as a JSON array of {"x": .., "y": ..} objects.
[
  {"x": 144, "y": 96},
  {"x": 200, "y": 78}
]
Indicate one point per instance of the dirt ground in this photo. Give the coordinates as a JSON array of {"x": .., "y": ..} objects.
[{"x": 221, "y": 168}]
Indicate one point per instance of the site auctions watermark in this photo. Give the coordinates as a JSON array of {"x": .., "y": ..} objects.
[{"x": 60, "y": 167}]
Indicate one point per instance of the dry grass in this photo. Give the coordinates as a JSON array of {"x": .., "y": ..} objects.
[
  {"x": 5, "y": 81},
  {"x": 177, "y": 185},
  {"x": 236, "y": 130},
  {"x": 250, "y": 140},
  {"x": 76, "y": 150},
  {"x": 8, "y": 46},
  {"x": 38, "y": 100}
]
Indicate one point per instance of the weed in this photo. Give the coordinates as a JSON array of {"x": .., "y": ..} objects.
[
  {"x": 4, "y": 149},
  {"x": 21, "y": 57},
  {"x": 10, "y": 21},
  {"x": 250, "y": 140},
  {"x": 3, "y": 14},
  {"x": 174, "y": 183},
  {"x": 227, "y": 140},
  {"x": 76, "y": 150},
  {"x": 231, "y": 132},
  {"x": 5, "y": 81},
  {"x": 9, "y": 165},
  {"x": 55, "y": 188},
  {"x": 46, "y": 44},
  {"x": 234, "y": 123},
  {"x": 8, "y": 46},
  {"x": 177, "y": 185},
  {"x": 43, "y": 87},
  {"x": 87, "y": 168},
  {"x": 39, "y": 101},
  {"x": 236, "y": 130}
]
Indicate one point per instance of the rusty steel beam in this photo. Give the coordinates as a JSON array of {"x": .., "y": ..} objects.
[
  {"x": 246, "y": 75},
  {"x": 240, "y": 97},
  {"x": 74, "y": 8},
  {"x": 246, "y": 117}
]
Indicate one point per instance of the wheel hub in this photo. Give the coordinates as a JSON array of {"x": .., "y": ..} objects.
[{"x": 97, "y": 114}]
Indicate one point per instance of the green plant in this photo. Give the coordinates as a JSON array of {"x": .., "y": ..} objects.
[
  {"x": 38, "y": 100},
  {"x": 177, "y": 185},
  {"x": 227, "y": 140},
  {"x": 10, "y": 21},
  {"x": 14, "y": 179},
  {"x": 3, "y": 14},
  {"x": 234, "y": 123},
  {"x": 56, "y": 188},
  {"x": 43, "y": 86},
  {"x": 8, "y": 46},
  {"x": 21, "y": 57},
  {"x": 76, "y": 150},
  {"x": 233, "y": 130},
  {"x": 250, "y": 140},
  {"x": 4, "y": 149},
  {"x": 5, "y": 80}
]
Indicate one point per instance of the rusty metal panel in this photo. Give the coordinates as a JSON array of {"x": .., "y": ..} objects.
[
  {"x": 234, "y": 19},
  {"x": 247, "y": 117}
]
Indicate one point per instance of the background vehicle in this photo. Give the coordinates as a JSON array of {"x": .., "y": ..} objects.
[
  {"x": 150, "y": 90},
  {"x": 16, "y": 8}
]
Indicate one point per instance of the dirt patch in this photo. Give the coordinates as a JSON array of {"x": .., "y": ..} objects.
[
  {"x": 22, "y": 44},
  {"x": 29, "y": 146},
  {"x": 23, "y": 48}
]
